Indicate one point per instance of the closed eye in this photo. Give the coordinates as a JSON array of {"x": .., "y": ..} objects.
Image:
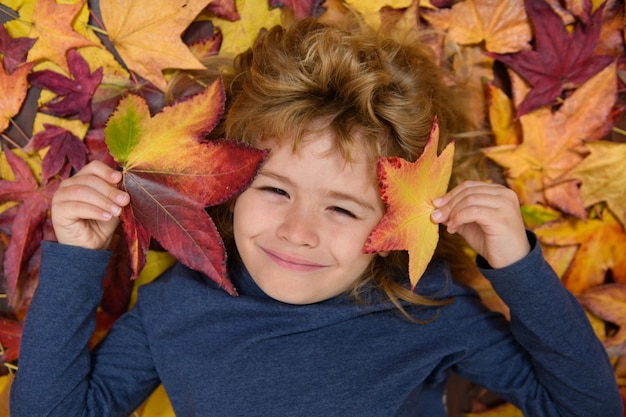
[
  {"x": 275, "y": 190},
  {"x": 343, "y": 211}
]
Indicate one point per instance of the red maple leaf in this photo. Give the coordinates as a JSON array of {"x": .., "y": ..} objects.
[
  {"x": 27, "y": 227},
  {"x": 172, "y": 174},
  {"x": 13, "y": 49},
  {"x": 73, "y": 94},
  {"x": 10, "y": 339},
  {"x": 560, "y": 61},
  {"x": 64, "y": 147}
]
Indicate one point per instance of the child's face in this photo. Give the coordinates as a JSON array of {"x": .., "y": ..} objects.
[{"x": 301, "y": 226}]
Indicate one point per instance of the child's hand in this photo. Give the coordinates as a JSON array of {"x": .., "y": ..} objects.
[
  {"x": 86, "y": 207},
  {"x": 488, "y": 217}
]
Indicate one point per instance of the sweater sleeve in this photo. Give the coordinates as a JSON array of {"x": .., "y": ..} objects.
[
  {"x": 547, "y": 360},
  {"x": 57, "y": 374}
]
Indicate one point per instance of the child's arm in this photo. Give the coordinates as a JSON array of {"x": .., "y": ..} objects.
[
  {"x": 555, "y": 365},
  {"x": 56, "y": 374}
]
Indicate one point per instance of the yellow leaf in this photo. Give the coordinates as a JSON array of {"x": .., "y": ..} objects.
[
  {"x": 603, "y": 178},
  {"x": 601, "y": 242},
  {"x": 146, "y": 34},
  {"x": 240, "y": 35},
  {"x": 20, "y": 27},
  {"x": 157, "y": 405},
  {"x": 55, "y": 36},
  {"x": 501, "y": 24},
  {"x": 408, "y": 189},
  {"x": 370, "y": 9},
  {"x": 506, "y": 129}
]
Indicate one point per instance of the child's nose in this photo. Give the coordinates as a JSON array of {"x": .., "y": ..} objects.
[{"x": 299, "y": 227}]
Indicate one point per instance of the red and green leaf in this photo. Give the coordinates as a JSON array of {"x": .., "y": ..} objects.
[{"x": 172, "y": 175}]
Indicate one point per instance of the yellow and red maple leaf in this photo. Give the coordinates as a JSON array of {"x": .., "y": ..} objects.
[
  {"x": 408, "y": 189},
  {"x": 147, "y": 35},
  {"x": 55, "y": 36},
  {"x": 601, "y": 242},
  {"x": 172, "y": 175}
]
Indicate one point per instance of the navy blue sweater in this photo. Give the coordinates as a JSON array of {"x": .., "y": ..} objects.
[{"x": 218, "y": 355}]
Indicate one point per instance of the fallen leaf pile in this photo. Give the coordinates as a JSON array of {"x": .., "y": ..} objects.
[{"x": 83, "y": 81}]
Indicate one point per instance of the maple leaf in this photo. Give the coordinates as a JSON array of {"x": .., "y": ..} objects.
[
  {"x": 73, "y": 94},
  {"x": 560, "y": 60},
  {"x": 506, "y": 129},
  {"x": 608, "y": 302},
  {"x": 14, "y": 88},
  {"x": 553, "y": 145},
  {"x": 601, "y": 242},
  {"x": 55, "y": 36},
  {"x": 502, "y": 25},
  {"x": 26, "y": 229},
  {"x": 240, "y": 35},
  {"x": 10, "y": 338},
  {"x": 370, "y": 10},
  {"x": 64, "y": 146},
  {"x": 602, "y": 176},
  {"x": 172, "y": 176},
  {"x": 14, "y": 50},
  {"x": 407, "y": 189},
  {"x": 147, "y": 35}
]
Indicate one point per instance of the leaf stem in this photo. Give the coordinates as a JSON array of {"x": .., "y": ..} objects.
[
  {"x": 21, "y": 132},
  {"x": 16, "y": 145},
  {"x": 98, "y": 30},
  {"x": 619, "y": 131}
]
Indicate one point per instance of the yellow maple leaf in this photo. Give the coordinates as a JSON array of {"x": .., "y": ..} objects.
[
  {"x": 506, "y": 129},
  {"x": 602, "y": 176},
  {"x": 608, "y": 302},
  {"x": 408, "y": 189},
  {"x": 146, "y": 34},
  {"x": 55, "y": 36},
  {"x": 501, "y": 24},
  {"x": 601, "y": 242},
  {"x": 20, "y": 27},
  {"x": 503, "y": 410},
  {"x": 370, "y": 9},
  {"x": 240, "y": 35},
  {"x": 552, "y": 145}
]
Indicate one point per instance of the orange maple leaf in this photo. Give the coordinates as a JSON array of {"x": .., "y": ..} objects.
[
  {"x": 55, "y": 36},
  {"x": 502, "y": 25},
  {"x": 602, "y": 176},
  {"x": 14, "y": 88},
  {"x": 146, "y": 34},
  {"x": 408, "y": 189},
  {"x": 553, "y": 145},
  {"x": 601, "y": 242},
  {"x": 608, "y": 302}
]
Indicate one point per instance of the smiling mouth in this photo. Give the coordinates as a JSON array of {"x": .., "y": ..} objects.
[{"x": 292, "y": 263}]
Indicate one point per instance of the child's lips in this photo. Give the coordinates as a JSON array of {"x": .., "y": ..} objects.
[{"x": 292, "y": 262}]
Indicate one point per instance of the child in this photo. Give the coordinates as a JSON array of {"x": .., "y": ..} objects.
[{"x": 317, "y": 328}]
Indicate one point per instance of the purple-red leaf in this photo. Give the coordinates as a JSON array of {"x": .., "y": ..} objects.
[
  {"x": 561, "y": 60},
  {"x": 14, "y": 50},
  {"x": 73, "y": 94},
  {"x": 64, "y": 147}
]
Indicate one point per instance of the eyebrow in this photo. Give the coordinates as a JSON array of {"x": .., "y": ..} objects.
[{"x": 332, "y": 194}]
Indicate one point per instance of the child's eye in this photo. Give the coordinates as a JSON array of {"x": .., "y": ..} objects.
[
  {"x": 343, "y": 211},
  {"x": 275, "y": 190}
]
